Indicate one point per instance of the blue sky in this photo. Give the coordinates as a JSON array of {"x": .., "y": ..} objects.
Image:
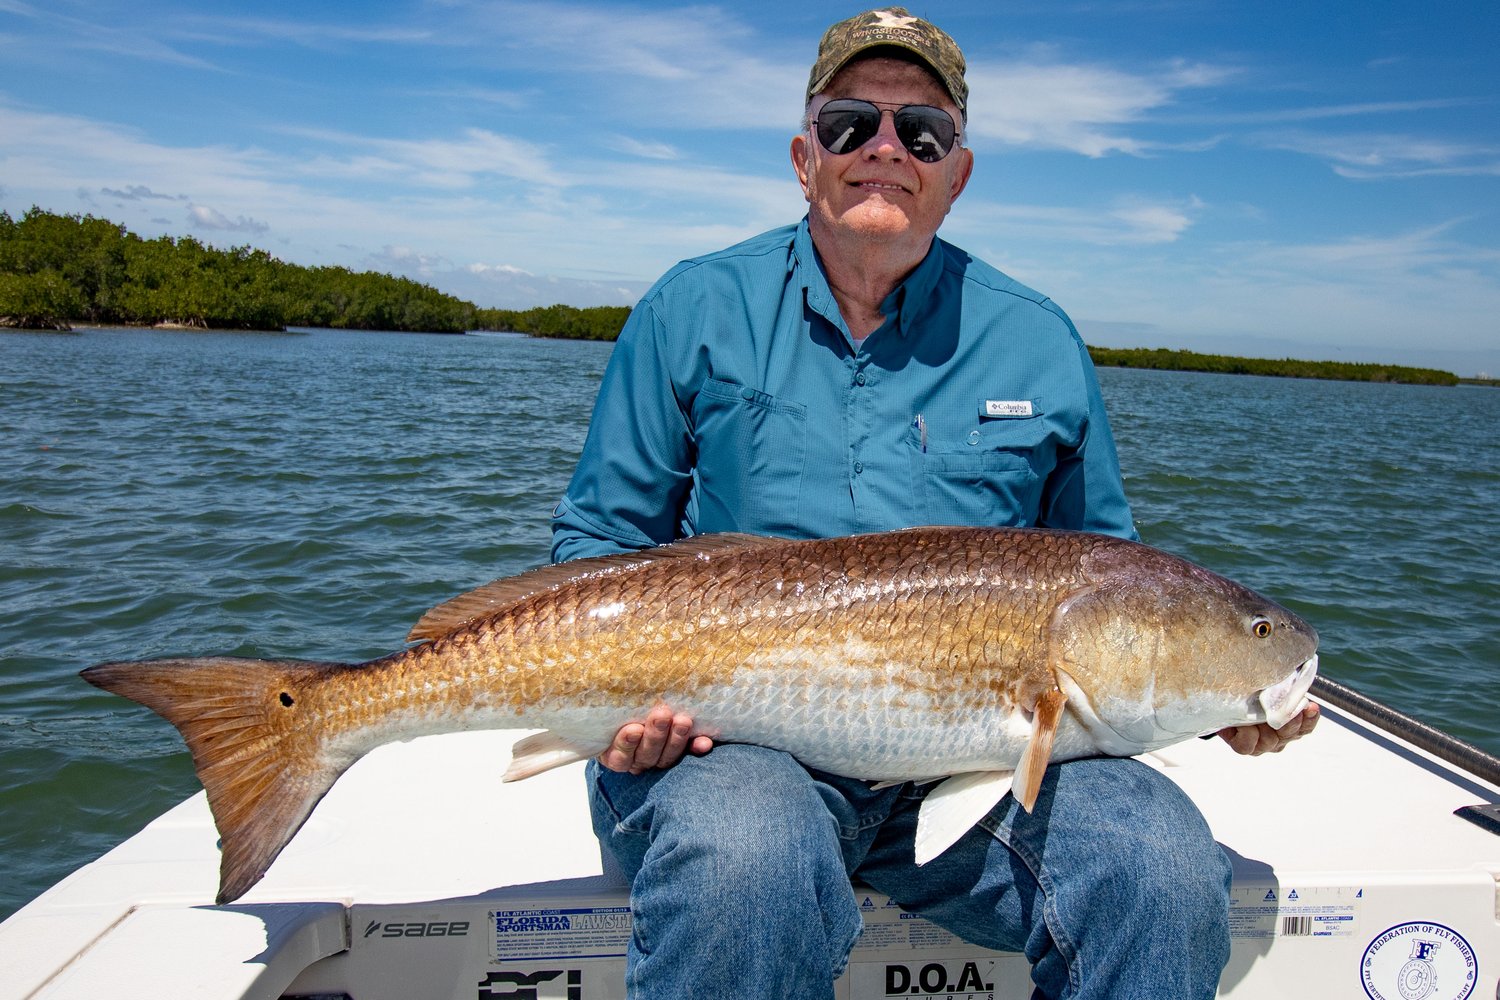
[{"x": 1314, "y": 180}]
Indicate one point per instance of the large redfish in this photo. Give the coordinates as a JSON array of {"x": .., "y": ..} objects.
[{"x": 980, "y": 653}]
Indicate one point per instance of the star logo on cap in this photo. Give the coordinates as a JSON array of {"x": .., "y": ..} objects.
[{"x": 889, "y": 20}]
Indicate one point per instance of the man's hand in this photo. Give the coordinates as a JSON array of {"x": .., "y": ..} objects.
[
  {"x": 1259, "y": 739},
  {"x": 660, "y": 741}
]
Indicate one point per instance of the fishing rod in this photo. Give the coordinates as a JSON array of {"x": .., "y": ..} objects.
[{"x": 1444, "y": 746}]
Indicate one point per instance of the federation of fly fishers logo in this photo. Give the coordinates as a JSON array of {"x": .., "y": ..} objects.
[{"x": 1419, "y": 961}]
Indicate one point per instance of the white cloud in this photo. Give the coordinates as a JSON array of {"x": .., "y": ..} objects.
[
  {"x": 408, "y": 261},
  {"x": 1317, "y": 112},
  {"x": 1376, "y": 156},
  {"x": 1154, "y": 223},
  {"x": 702, "y": 66},
  {"x": 251, "y": 31},
  {"x": 507, "y": 270},
  {"x": 136, "y": 192},
  {"x": 645, "y": 150},
  {"x": 514, "y": 99},
  {"x": 466, "y": 161},
  {"x": 1411, "y": 297},
  {"x": 209, "y": 218},
  {"x": 528, "y": 153},
  {"x": 1127, "y": 221},
  {"x": 133, "y": 40},
  {"x": 505, "y": 287},
  {"x": 341, "y": 198},
  {"x": 1398, "y": 258},
  {"x": 1073, "y": 106}
]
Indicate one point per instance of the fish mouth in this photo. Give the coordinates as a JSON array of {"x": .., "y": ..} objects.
[{"x": 1284, "y": 700}]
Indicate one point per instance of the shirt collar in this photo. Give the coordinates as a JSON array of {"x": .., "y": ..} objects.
[{"x": 905, "y": 302}]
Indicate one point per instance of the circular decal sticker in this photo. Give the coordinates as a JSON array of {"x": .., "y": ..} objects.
[{"x": 1419, "y": 961}]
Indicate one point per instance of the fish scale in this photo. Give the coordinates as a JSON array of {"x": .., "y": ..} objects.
[{"x": 974, "y": 652}]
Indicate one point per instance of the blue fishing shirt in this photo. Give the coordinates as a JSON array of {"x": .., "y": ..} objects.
[{"x": 736, "y": 400}]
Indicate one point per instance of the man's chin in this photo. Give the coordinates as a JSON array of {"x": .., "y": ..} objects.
[{"x": 876, "y": 218}]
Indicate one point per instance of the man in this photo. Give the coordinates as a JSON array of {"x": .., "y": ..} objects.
[{"x": 850, "y": 374}]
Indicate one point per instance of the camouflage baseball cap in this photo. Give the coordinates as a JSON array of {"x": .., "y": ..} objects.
[{"x": 890, "y": 26}]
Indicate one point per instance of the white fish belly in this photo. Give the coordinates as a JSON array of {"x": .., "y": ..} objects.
[{"x": 846, "y": 720}]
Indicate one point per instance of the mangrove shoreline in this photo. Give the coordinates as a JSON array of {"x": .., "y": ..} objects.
[{"x": 57, "y": 271}]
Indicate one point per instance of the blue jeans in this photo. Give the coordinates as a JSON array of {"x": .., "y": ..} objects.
[{"x": 740, "y": 863}]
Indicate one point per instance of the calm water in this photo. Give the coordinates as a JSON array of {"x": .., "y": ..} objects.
[{"x": 310, "y": 495}]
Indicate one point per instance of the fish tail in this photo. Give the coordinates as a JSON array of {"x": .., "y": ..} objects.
[{"x": 262, "y": 762}]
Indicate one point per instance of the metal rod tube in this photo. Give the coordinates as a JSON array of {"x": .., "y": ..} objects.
[{"x": 1436, "y": 742}]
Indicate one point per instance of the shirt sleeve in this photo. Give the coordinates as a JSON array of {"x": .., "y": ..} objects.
[
  {"x": 1086, "y": 492},
  {"x": 635, "y": 471}
]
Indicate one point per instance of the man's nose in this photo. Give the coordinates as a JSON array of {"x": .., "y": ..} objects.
[{"x": 885, "y": 142}]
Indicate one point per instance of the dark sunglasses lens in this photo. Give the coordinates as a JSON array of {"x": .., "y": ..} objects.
[
  {"x": 927, "y": 133},
  {"x": 844, "y": 126}
]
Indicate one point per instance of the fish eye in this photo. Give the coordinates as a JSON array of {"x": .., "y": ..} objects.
[{"x": 1261, "y": 628}]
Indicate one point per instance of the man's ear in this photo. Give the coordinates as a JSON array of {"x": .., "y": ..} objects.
[
  {"x": 801, "y": 152},
  {"x": 961, "y": 172}
]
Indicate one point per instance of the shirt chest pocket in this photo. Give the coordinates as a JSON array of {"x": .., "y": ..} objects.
[
  {"x": 991, "y": 476},
  {"x": 751, "y": 451}
]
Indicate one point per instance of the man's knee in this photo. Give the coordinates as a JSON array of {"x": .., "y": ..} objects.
[
  {"x": 755, "y": 812},
  {"x": 752, "y": 816},
  {"x": 742, "y": 842},
  {"x": 1158, "y": 855}
]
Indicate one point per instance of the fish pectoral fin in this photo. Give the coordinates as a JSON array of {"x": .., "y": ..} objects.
[
  {"x": 1038, "y": 752},
  {"x": 952, "y": 808},
  {"x": 545, "y": 750}
]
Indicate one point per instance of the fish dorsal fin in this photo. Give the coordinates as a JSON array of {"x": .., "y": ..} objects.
[
  {"x": 459, "y": 611},
  {"x": 952, "y": 808},
  {"x": 475, "y": 604},
  {"x": 1033, "y": 762}
]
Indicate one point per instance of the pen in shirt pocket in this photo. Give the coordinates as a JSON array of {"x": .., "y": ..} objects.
[{"x": 921, "y": 426}]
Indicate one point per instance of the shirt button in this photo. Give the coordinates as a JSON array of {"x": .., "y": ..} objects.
[
  {"x": 859, "y": 467},
  {"x": 749, "y": 395},
  {"x": 859, "y": 379}
]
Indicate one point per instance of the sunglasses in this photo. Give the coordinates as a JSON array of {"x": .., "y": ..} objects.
[{"x": 846, "y": 124}]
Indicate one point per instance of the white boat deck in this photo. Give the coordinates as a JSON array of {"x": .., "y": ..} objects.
[{"x": 422, "y": 875}]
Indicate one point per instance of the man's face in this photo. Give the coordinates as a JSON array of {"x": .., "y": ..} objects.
[{"x": 880, "y": 192}]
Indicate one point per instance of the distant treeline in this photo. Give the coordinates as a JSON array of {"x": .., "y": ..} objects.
[
  {"x": 56, "y": 270},
  {"x": 604, "y": 323},
  {"x": 1188, "y": 361},
  {"x": 594, "y": 323}
]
